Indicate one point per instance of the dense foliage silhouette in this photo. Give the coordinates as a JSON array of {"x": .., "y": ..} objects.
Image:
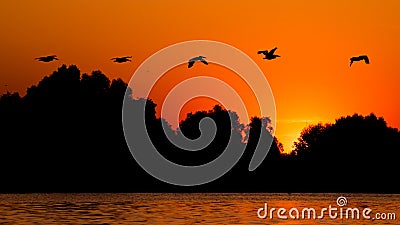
[
  {"x": 65, "y": 135},
  {"x": 352, "y": 139},
  {"x": 357, "y": 152}
]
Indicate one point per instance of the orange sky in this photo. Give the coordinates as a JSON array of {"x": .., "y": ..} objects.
[{"x": 311, "y": 82}]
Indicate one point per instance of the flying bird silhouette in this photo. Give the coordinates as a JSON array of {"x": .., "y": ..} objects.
[
  {"x": 48, "y": 58},
  {"x": 198, "y": 58},
  {"x": 269, "y": 55},
  {"x": 359, "y": 58},
  {"x": 122, "y": 59}
]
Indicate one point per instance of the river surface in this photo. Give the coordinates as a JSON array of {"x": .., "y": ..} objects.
[{"x": 199, "y": 208}]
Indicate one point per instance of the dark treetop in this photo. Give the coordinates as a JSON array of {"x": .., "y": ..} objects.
[{"x": 65, "y": 135}]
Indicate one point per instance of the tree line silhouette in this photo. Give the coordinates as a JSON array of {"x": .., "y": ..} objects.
[{"x": 65, "y": 135}]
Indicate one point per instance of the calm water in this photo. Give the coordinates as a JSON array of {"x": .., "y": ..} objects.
[{"x": 185, "y": 208}]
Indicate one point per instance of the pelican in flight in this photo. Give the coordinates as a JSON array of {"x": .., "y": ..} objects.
[
  {"x": 198, "y": 58},
  {"x": 269, "y": 55},
  {"x": 48, "y": 58},
  {"x": 359, "y": 58},
  {"x": 122, "y": 59}
]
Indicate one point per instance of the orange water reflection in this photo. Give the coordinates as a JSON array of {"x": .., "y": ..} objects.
[{"x": 179, "y": 208}]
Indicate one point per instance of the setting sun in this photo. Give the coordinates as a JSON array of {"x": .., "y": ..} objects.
[{"x": 199, "y": 112}]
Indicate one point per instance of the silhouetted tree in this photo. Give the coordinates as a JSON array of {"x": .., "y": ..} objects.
[
  {"x": 66, "y": 134},
  {"x": 356, "y": 153},
  {"x": 310, "y": 141},
  {"x": 227, "y": 124},
  {"x": 66, "y": 125},
  {"x": 350, "y": 138},
  {"x": 256, "y": 125}
]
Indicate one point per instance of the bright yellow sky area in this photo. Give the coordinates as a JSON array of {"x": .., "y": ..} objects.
[{"x": 312, "y": 81}]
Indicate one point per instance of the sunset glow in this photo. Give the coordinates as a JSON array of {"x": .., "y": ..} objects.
[{"x": 312, "y": 81}]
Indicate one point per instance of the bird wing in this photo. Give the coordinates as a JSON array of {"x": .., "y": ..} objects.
[
  {"x": 204, "y": 61},
  {"x": 263, "y": 52},
  {"x": 44, "y": 59},
  {"x": 190, "y": 64},
  {"x": 127, "y": 57},
  {"x": 366, "y": 59},
  {"x": 273, "y": 50},
  {"x": 195, "y": 58}
]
